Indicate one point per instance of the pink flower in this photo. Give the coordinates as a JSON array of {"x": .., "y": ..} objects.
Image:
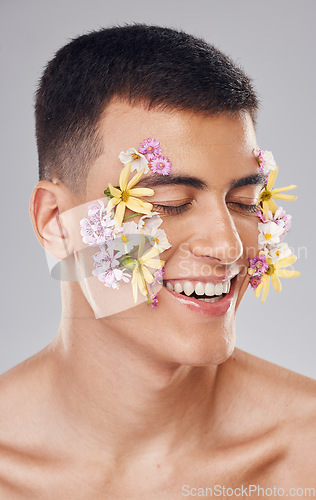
[
  {"x": 283, "y": 219},
  {"x": 150, "y": 148},
  {"x": 265, "y": 160},
  {"x": 255, "y": 281},
  {"x": 152, "y": 300},
  {"x": 259, "y": 265},
  {"x": 160, "y": 165},
  {"x": 158, "y": 276},
  {"x": 261, "y": 215}
]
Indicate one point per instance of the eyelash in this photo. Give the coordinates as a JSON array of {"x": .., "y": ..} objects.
[
  {"x": 251, "y": 209},
  {"x": 180, "y": 209},
  {"x": 174, "y": 210}
]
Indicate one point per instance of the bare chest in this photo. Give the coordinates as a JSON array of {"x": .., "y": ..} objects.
[{"x": 233, "y": 474}]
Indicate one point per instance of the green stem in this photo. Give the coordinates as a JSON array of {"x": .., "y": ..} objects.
[{"x": 130, "y": 216}]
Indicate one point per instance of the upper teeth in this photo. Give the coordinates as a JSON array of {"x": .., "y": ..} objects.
[{"x": 201, "y": 288}]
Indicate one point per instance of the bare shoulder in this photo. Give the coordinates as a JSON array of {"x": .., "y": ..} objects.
[
  {"x": 280, "y": 386},
  {"x": 21, "y": 388},
  {"x": 268, "y": 372},
  {"x": 284, "y": 401},
  {"x": 25, "y": 429}
]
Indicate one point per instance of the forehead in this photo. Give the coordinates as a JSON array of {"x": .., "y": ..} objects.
[{"x": 194, "y": 143}]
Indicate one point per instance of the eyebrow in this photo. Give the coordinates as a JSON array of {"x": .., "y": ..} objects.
[
  {"x": 197, "y": 183},
  {"x": 258, "y": 178}
]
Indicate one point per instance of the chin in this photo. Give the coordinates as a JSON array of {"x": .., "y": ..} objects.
[{"x": 197, "y": 345}]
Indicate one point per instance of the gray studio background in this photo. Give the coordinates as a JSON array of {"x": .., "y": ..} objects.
[{"x": 274, "y": 41}]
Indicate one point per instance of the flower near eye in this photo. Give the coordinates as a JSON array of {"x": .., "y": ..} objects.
[
  {"x": 151, "y": 148},
  {"x": 268, "y": 194},
  {"x": 265, "y": 160},
  {"x": 150, "y": 227},
  {"x": 127, "y": 197},
  {"x": 136, "y": 158},
  {"x": 161, "y": 165},
  {"x": 118, "y": 238}
]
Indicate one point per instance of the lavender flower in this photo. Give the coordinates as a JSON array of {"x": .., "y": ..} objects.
[
  {"x": 107, "y": 267},
  {"x": 99, "y": 226}
]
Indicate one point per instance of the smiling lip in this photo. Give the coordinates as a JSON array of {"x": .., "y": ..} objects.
[{"x": 206, "y": 308}]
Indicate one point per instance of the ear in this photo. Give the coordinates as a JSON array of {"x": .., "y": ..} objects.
[{"x": 47, "y": 201}]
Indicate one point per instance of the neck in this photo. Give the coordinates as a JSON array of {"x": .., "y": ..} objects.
[{"x": 122, "y": 394}]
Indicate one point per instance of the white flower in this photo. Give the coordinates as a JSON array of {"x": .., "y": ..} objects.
[
  {"x": 269, "y": 162},
  {"x": 128, "y": 239},
  {"x": 149, "y": 221},
  {"x": 279, "y": 252},
  {"x": 150, "y": 227},
  {"x": 269, "y": 233},
  {"x": 265, "y": 159},
  {"x": 160, "y": 240},
  {"x": 138, "y": 161}
]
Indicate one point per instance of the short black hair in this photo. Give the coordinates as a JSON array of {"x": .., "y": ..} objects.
[{"x": 158, "y": 67}]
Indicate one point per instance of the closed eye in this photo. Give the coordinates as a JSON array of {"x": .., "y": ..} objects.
[
  {"x": 173, "y": 209},
  {"x": 243, "y": 207},
  {"x": 179, "y": 209}
]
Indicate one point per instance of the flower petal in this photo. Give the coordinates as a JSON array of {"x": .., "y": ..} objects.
[
  {"x": 266, "y": 286},
  {"x": 137, "y": 205},
  {"x": 141, "y": 246},
  {"x": 135, "y": 179},
  {"x": 141, "y": 283},
  {"x": 286, "y": 273},
  {"x": 272, "y": 178},
  {"x": 119, "y": 213},
  {"x": 112, "y": 203},
  {"x": 141, "y": 192},
  {"x": 114, "y": 191},
  {"x": 272, "y": 206},
  {"x": 152, "y": 252},
  {"x": 289, "y": 197},
  {"x": 265, "y": 207},
  {"x": 124, "y": 175},
  {"x": 258, "y": 289},
  {"x": 286, "y": 261},
  {"x": 155, "y": 263},
  {"x": 134, "y": 284},
  {"x": 147, "y": 275},
  {"x": 276, "y": 282},
  {"x": 286, "y": 188}
]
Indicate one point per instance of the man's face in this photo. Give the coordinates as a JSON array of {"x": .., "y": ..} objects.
[{"x": 210, "y": 222}]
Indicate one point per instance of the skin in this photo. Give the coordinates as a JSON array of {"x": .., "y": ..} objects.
[{"x": 127, "y": 407}]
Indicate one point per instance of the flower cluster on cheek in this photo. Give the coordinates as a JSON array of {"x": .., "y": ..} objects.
[
  {"x": 129, "y": 251},
  {"x": 274, "y": 223}
]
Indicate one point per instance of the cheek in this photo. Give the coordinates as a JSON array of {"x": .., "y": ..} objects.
[{"x": 248, "y": 232}]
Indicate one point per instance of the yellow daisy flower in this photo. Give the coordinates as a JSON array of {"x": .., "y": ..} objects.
[
  {"x": 126, "y": 197},
  {"x": 267, "y": 194},
  {"x": 276, "y": 271},
  {"x": 141, "y": 273}
]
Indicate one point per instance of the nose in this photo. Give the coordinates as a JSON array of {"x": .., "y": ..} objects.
[{"x": 215, "y": 235}]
